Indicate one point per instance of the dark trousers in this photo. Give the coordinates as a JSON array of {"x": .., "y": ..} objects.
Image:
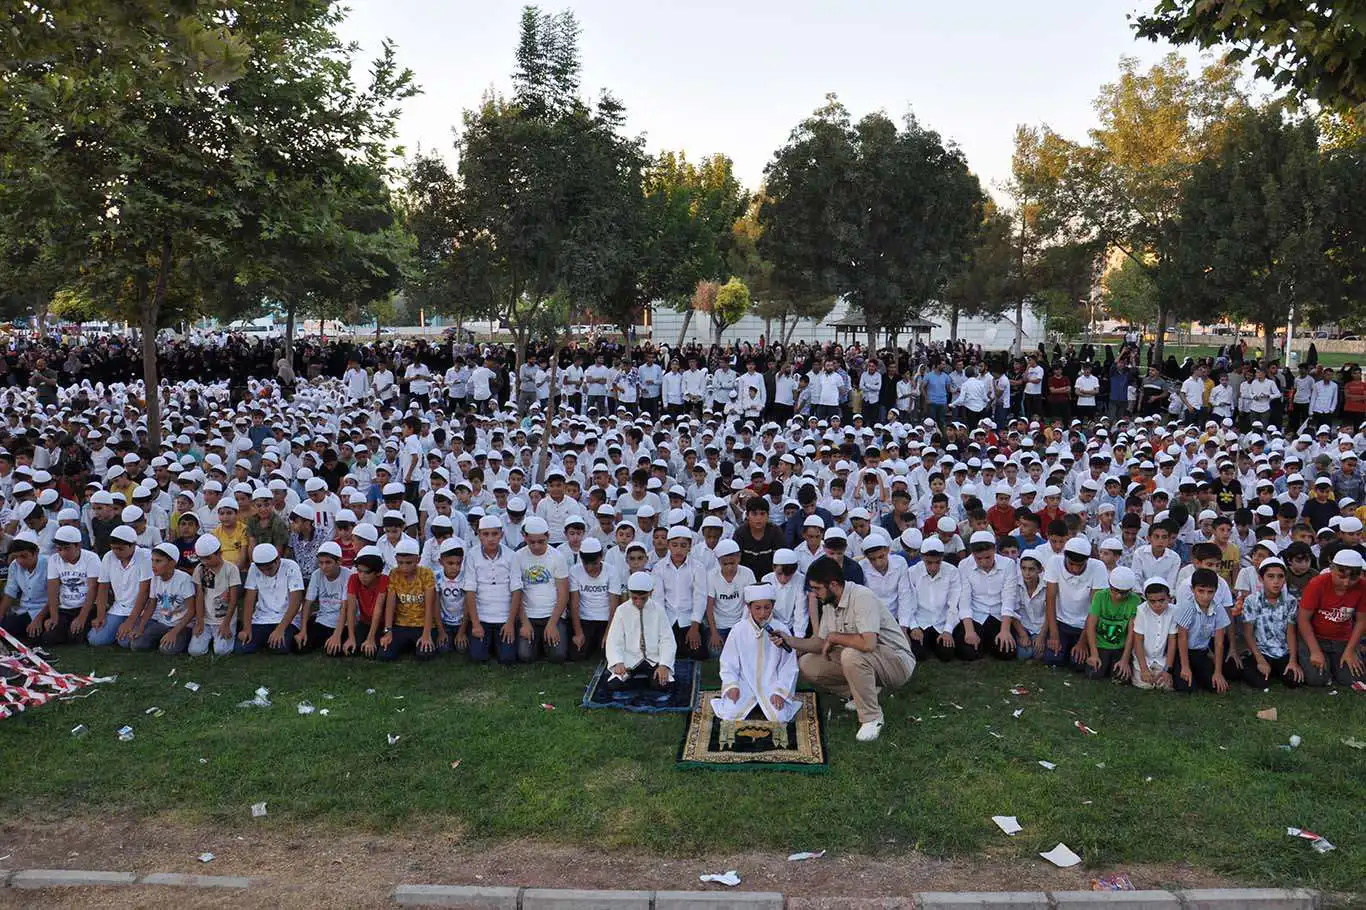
[
  {"x": 681, "y": 642},
  {"x": 986, "y": 645},
  {"x": 594, "y": 633},
  {"x": 1108, "y": 658},
  {"x": 1068, "y": 636},
  {"x": 59, "y": 634},
  {"x": 1254, "y": 678},
  {"x": 929, "y": 644},
  {"x": 16, "y": 623},
  {"x": 317, "y": 636},
  {"x": 1202, "y": 673},
  {"x": 260, "y": 635},
  {"x": 641, "y": 676},
  {"x": 536, "y": 647},
  {"x": 403, "y": 639},
  {"x": 651, "y": 406},
  {"x": 492, "y": 643}
]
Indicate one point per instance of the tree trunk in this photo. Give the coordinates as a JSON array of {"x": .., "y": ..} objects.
[
  {"x": 1018, "y": 345},
  {"x": 718, "y": 328},
  {"x": 1160, "y": 334},
  {"x": 626, "y": 336},
  {"x": 543, "y": 456},
  {"x": 872, "y": 327},
  {"x": 40, "y": 308},
  {"x": 782, "y": 327},
  {"x": 683, "y": 332},
  {"x": 1269, "y": 342},
  {"x": 953, "y": 324},
  {"x": 791, "y": 329},
  {"x": 150, "y": 378},
  {"x": 289, "y": 334}
]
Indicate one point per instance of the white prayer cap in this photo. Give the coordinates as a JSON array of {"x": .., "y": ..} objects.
[
  {"x": 640, "y": 583},
  {"x": 1077, "y": 547},
  {"x": 759, "y": 592},
  {"x": 131, "y": 514},
  {"x": 1122, "y": 578},
  {"x": 406, "y": 547},
  {"x": 912, "y": 539},
  {"x": 168, "y": 550},
  {"x": 785, "y": 557},
  {"x": 814, "y": 521},
  {"x": 933, "y": 545},
  {"x": 355, "y": 497},
  {"x": 1350, "y": 525},
  {"x": 1349, "y": 559},
  {"x": 122, "y": 533},
  {"x": 315, "y": 484},
  {"x": 646, "y": 511},
  {"x": 1112, "y": 543},
  {"x": 591, "y": 546},
  {"x": 49, "y": 496},
  {"x": 490, "y": 523},
  {"x": 27, "y": 536},
  {"x": 454, "y": 545},
  {"x": 302, "y": 511},
  {"x": 679, "y": 532},
  {"x": 100, "y": 498},
  {"x": 535, "y": 525},
  {"x": 835, "y": 534},
  {"x": 392, "y": 489},
  {"x": 331, "y": 548},
  {"x": 67, "y": 535},
  {"x": 264, "y": 553},
  {"x": 876, "y": 540},
  {"x": 726, "y": 548},
  {"x": 517, "y": 504},
  {"x": 26, "y": 509},
  {"x": 978, "y": 537},
  {"x": 711, "y": 521},
  {"x": 206, "y": 545}
]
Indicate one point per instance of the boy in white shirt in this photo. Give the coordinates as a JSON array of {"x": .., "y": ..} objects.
[
  {"x": 320, "y": 622},
  {"x": 1154, "y": 637},
  {"x": 640, "y": 641},
  {"x": 593, "y": 599},
  {"x": 171, "y": 605}
]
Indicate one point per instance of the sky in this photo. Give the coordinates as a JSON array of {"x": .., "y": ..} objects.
[{"x": 735, "y": 78}]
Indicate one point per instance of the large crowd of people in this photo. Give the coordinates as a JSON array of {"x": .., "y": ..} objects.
[{"x": 1171, "y": 526}]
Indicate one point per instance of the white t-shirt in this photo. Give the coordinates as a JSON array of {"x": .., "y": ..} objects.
[
  {"x": 1075, "y": 591},
  {"x": 594, "y": 592},
  {"x": 729, "y": 595},
  {"x": 124, "y": 581},
  {"x": 75, "y": 578},
  {"x": 540, "y": 575},
  {"x": 171, "y": 597},
  {"x": 273, "y": 591},
  {"x": 1034, "y": 380},
  {"x": 1087, "y": 387},
  {"x": 450, "y": 593},
  {"x": 329, "y": 594},
  {"x": 1154, "y": 630}
]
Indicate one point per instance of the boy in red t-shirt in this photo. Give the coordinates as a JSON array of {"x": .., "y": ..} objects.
[{"x": 1331, "y": 620}]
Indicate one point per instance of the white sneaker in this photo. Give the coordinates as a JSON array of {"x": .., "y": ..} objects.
[{"x": 869, "y": 731}]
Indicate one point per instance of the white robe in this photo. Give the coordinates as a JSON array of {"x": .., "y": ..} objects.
[{"x": 760, "y": 669}]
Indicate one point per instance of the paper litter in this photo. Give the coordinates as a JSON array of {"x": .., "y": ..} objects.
[
  {"x": 799, "y": 857},
  {"x": 1118, "y": 881},
  {"x": 206, "y": 857},
  {"x": 1268, "y": 714},
  {"x": 1295, "y": 741},
  {"x": 1317, "y": 841},
  {"x": 305, "y": 708},
  {"x": 1047, "y": 765},
  {"x": 324, "y": 712},
  {"x": 1019, "y": 690},
  {"x": 154, "y": 711},
  {"x": 393, "y": 738},
  {"x": 547, "y": 706},
  {"x": 192, "y": 686},
  {"x": 1353, "y": 743},
  {"x": 729, "y": 879},
  {"x": 1083, "y": 728},
  {"x": 80, "y": 730},
  {"x": 1008, "y": 823},
  {"x": 125, "y": 733},
  {"x": 1017, "y": 712},
  {"x": 261, "y": 699},
  {"x": 1061, "y": 856},
  {"x": 258, "y": 810}
]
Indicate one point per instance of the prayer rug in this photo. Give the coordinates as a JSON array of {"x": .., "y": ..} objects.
[
  {"x": 645, "y": 700},
  {"x": 754, "y": 745}
]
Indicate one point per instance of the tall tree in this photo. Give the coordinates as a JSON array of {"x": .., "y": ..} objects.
[
  {"x": 1130, "y": 293},
  {"x": 879, "y": 215},
  {"x": 776, "y": 295},
  {"x": 1315, "y": 49},
  {"x": 1122, "y": 188},
  {"x": 1253, "y": 236}
]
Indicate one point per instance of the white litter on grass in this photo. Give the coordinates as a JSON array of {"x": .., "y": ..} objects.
[
  {"x": 192, "y": 686},
  {"x": 1317, "y": 841},
  {"x": 1295, "y": 741},
  {"x": 306, "y": 708},
  {"x": 206, "y": 857},
  {"x": 1017, "y": 712},
  {"x": 369, "y": 691},
  {"x": 1061, "y": 856},
  {"x": 172, "y": 673},
  {"x": 799, "y": 857},
  {"x": 80, "y": 730},
  {"x": 329, "y": 696},
  {"x": 995, "y": 734},
  {"x": 258, "y": 810},
  {"x": 393, "y": 738},
  {"x": 324, "y": 712},
  {"x": 261, "y": 700},
  {"x": 729, "y": 879},
  {"x": 1353, "y": 743},
  {"x": 1047, "y": 765},
  {"x": 125, "y": 733},
  {"x": 1008, "y": 823}
]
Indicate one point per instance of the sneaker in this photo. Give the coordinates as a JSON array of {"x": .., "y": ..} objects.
[{"x": 869, "y": 731}]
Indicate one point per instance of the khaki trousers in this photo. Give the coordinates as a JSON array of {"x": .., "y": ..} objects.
[{"x": 849, "y": 671}]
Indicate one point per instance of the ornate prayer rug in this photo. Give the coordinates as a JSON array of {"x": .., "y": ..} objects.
[
  {"x": 645, "y": 700},
  {"x": 754, "y": 745}
]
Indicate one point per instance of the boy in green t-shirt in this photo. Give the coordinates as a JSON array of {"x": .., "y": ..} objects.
[{"x": 1107, "y": 628}]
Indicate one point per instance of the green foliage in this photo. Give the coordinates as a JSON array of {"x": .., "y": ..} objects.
[
  {"x": 880, "y": 215},
  {"x": 1316, "y": 50},
  {"x": 1129, "y": 293},
  {"x": 730, "y": 305},
  {"x": 987, "y": 284}
]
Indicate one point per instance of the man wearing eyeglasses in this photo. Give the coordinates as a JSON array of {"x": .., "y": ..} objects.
[{"x": 1331, "y": 620}]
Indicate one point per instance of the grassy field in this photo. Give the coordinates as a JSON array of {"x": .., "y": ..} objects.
[{"x": 1168, "y": 779}]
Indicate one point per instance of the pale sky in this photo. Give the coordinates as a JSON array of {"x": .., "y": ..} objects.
[{"x": 736, "y": 77}]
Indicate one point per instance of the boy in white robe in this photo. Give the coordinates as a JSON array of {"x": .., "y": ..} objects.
[
  {"x": 756, "y": 670},
  {"x": 640, "y": 640}
]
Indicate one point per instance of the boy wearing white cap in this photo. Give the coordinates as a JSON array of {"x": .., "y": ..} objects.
[
  {"x": 792, "y": 603},
  {"x": 725, "y": 592},
  {"x": 493, "y": 595},
  {"x": 320, "y": 622},
  {"x": 640, "y": 640},
  {"x": 452, "y": 632},
  {"x": 73, "y": 575},
  {"x": 125, "y": 577},
  {"x": 409, "y": 607},
  {"x": 274, "y": 591},
  {"x": 171, "y": 605},
  {"x": 543, "y": 627},
  {"x": 681, "y": 591},
  {"x": 1109, "y": 625},
  {"x": 1073, "y": 582},
  {"x": 930, "y": 602},
  {"x": 219, "y": 586},
  {"x": 758, "y": 668},
  {"x": 592, "y": 600},
  {"x": 23, "y": 606}
]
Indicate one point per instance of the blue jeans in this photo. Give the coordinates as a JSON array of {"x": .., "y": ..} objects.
[
  {"x": 449, "y": 646},
  {"x": 260, "y": 636},
  {"x": 939, "y": 413},
  {"x": 107, "y": 635},
  {"x": 152, "y": 634},
  {"x": 1068, "y": 636},
  {"x": 405, "y": 638},
  {"x": 492, "y": 642}
]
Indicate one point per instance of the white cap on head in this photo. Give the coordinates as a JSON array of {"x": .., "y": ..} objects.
[
  {"x": 1077, "y": 547},
  {"x": 679, "y": 532},
  {"x": 168, "y": 550},
  {"x": 785, "y": 557},
  {"x": 640, "y": 583},
  {"x": 946, "y": 525},
  {"x": 206, "y": 545},
  {"x": 1350, "y": 524},
  {"x": 366, "y": 532},
  {"x": 303, "y": 511},
  {"x": 1349, "y": 559},
  {"x": 124, "y": 534},
  {"x": 1122, "y": 578},
  {"x": 933, "y": 546},
  {"x": 490, "y": 523},
  {"x": 759, "y": 592},
  {"x": 978, "y": 537},
  {"x": 67, "y": 535},
  {"x": 726, "y": 548},
  {"x": 264, "y": 553},
  {"x": 875, "y": 540},
  {"x": 406, "y": 547},
  {"x": 131, "y": 514},
  {"x": 912, "y": 539},
  {"x": 591, "y": 546},
  {"x": 392, "y": 489},
  {"x": 535, "y": 525},
  {"x": 331, "y": 548}
]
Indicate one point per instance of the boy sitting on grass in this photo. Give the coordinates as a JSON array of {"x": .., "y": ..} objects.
[
  {"x": 1269, "y": 617},
  {"x": 1200, "y": 623},
  {"x": 1108, "y": 626},
  {"x": 1153, "y": 637}
]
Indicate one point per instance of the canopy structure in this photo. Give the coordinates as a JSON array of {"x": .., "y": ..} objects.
[{"x": 853, "y": 327}]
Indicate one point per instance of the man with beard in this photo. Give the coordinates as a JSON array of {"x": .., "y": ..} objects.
[{"x": 859, "y": 649}]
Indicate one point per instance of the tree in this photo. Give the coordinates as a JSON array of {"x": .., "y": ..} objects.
[
  {"x": 1122, "y": 188},
  {"x": 1129, "y": 293},
  {"x": 726, "y": 306},
  {"x": 986, "y": 284},
  {"x": 877, "y": 214},
  {"x": 776, "y": 295},
  {"x": 1316, "y": 50},
  {"x": 541, "y": 187},
  {"x": 1253, "y": 237},
  {"x": 430, "y": 205}
]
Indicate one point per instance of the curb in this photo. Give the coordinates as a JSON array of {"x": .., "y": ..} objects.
[
  {"x": 492, "y": 898},
  {"x": 85, "y": 878}
]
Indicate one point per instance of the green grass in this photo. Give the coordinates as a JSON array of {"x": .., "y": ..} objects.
[
  {"x": 1181, "y": 351},
  {"x": 1220, "y": 796}
]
